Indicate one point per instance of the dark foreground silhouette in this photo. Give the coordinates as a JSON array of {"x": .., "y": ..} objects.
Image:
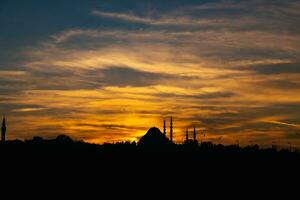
[
  {"x": 154, "y": 161},
  {"x": 63, "y": 151}
]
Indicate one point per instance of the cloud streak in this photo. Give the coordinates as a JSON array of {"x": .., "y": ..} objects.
[{"x": 157, "y": 21}]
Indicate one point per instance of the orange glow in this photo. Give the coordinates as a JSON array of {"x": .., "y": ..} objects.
[{"x": 113, "y": 85}]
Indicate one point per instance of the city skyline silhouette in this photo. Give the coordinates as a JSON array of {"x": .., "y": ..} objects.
[{"x": 155, "y": 138}]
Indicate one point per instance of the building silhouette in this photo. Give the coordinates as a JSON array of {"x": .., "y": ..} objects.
[
  {"x": 187, "y": 140},
  {"x": 191, "y": 141},
  {"x": 154, "y": 138},
  {"x": 3, "y": 130}
]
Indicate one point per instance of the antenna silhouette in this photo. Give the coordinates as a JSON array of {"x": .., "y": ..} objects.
[
  {"x": 164, "y": 127},
  {"x": 3, "y": 130},
  {"x": 171, "y": 129}
]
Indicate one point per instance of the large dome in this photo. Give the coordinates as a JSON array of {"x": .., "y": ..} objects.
[{"x": 154, "y": 137}]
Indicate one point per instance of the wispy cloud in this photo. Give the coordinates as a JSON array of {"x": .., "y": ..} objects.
[
  {"x": 279, "y": 120},
  {"x": 28, "y": 109},
  {"x": 284, "y": 123},
  {"x": 158, "y": 20},
  {"x": 124, "y": 16}
]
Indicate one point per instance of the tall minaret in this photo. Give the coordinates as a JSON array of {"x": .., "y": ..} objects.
[
  {"x": 171, "y": 129},
  {"x": 187, "y": 135},
  {"x": 195, "y": 135},
  {"x": 3, "y": 130},
  {"x": 165, "y": 127}
]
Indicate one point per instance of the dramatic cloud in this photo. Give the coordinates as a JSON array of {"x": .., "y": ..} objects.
[{"x": 110, "y": 70}]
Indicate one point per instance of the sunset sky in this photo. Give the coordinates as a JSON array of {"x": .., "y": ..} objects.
[{"x": 108, "y": 70}]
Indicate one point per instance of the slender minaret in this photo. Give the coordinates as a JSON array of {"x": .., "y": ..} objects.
[
  {"x": 3, "y": 130},
  {"x": 171, "y": 129},
  {"x": 195, "y": 135},
  {"x": 187, "y": 135},
  {"x": 165, "y": 127}
]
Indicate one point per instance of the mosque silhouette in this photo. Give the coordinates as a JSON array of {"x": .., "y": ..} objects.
[{"x": 155, "y": 138}]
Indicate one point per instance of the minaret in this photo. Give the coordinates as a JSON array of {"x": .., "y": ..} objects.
[
  {"x": 165, "y": 127},
  {"x": 171, "y": 129},
  {"x": 195, "y": 135},
  {"x": 187, "y": 135},
  {"x": 3, "y": 130}
]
